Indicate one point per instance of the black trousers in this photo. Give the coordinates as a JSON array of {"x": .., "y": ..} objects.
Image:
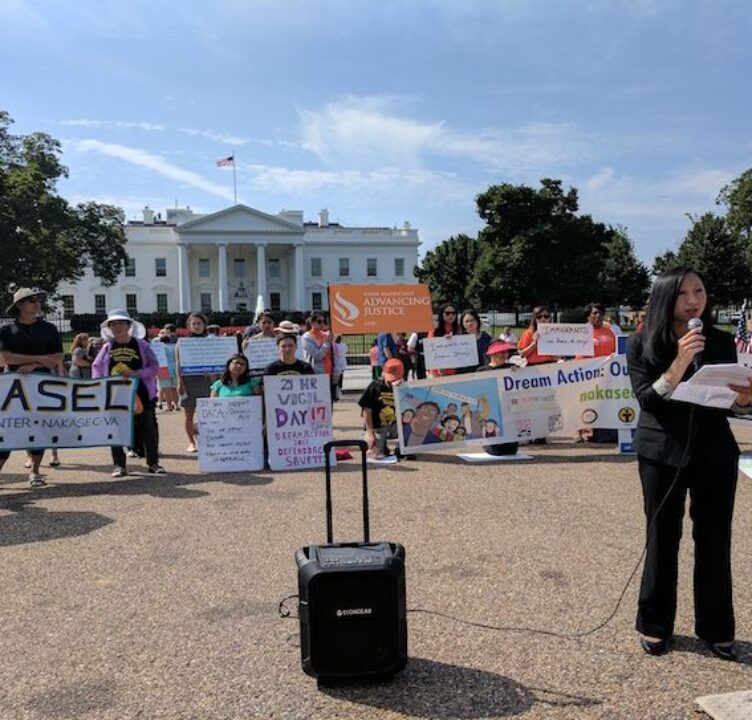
[
  {"x": 712, "y": 486},
  {"x": 146, "y": 430}
]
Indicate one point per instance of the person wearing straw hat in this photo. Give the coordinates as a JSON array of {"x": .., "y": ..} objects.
[
  {"x": 126, "y": 352},
  {"x": 30, "y": 344}
]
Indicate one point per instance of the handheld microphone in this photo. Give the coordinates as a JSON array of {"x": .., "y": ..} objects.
[{"x": 696, "y": 324}]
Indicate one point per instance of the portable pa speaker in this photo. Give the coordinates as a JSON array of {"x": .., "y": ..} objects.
[{"x": 352, "y": 601}]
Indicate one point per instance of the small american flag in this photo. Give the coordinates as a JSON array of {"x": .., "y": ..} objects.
[
  {"x": 226, "y": 161},
  {"x": 742, "y": 336}
]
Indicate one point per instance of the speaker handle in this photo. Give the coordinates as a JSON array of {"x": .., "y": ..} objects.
[{"x": 328, "y": 447}]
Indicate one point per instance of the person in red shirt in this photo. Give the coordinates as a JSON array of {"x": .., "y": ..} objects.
[
  {"x": 528, "y": 343},
  {"x": 447, "y": 324}
]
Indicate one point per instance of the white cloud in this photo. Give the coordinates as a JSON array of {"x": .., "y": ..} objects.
[
  {"x": 220, "y": 137},
  {"x": 155, "y": 163}
]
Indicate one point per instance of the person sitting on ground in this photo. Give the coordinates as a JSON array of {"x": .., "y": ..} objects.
[
  {"x": 379, "y": 414},
  {"x": 126, "y": 353},
  {"x": 236, "y": 380},
  {"x": 288, "y": 363},
  {"x": 498, "y": 353}
]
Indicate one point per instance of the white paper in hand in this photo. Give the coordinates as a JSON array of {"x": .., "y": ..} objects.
[{"x": 709, "y": 385}]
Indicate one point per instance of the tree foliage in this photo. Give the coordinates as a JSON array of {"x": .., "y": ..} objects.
[
  {"x": 448, "y": 269},
  {"x": 737, "y": 197},
  {"x": 623, "y": 279},
  {"x": 43, "y": 239}
]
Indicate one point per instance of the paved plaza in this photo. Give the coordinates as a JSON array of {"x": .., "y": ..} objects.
[{"x": 157, "y": 597}]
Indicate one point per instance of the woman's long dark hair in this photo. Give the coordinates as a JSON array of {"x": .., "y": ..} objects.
[
  {"x": 473, "y": 313},
  {"x": 439, "y": 330},
  {"x": 538, "y": 310},
  {"x": 203, "y": 319},
  {"x": 243, "y": 379},
  {"x": 659, "y": 347}
]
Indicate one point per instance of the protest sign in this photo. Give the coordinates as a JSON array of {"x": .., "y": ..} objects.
[
  {"x": 229, "y": 437},
  {"x": 43, "y": 411},
  {"x": 205, "y": 355},
  {"x": 451, "y": 352},
  {"x": 261, "y": 352},
  {"x": 298, "y": 420},
  {"x": 565, "y": 339},
  {"x": 380, "y": 308},
  {"x": 516, "y": 404},
  {"x": 160, "y": 352}
]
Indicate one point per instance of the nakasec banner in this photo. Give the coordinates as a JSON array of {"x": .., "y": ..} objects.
[
  {"x": 43, "y": 411},
  {"x": 515, "y": 404},
  {"x": 380, "y": 308}
]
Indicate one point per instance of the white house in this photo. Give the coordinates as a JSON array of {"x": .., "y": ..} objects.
[{"x": 224, "y": 260}]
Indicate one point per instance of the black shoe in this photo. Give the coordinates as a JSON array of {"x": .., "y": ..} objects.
[
  {"x": 659, "y": 647},
  {"x": 724, "y": 651}
]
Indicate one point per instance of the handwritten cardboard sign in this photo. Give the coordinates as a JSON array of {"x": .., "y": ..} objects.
[
  {"x": 565, "y": 339},
  {"x": 451, "y": 352},
  {"x": 261, "y": 352},
  {"x": 229, "y": 437}
]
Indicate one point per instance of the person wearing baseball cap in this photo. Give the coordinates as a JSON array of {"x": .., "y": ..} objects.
[
  {"x": 379, "y": 414},
  {"x": 30, "y": 344},
  {"x": 498, "y": 353}
]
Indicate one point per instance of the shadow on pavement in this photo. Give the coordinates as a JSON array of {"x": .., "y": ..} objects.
[
  {"x": 685, "y": 643},
  {"x": 32, "y": 524},
  {"x": 431, "y": 689}
]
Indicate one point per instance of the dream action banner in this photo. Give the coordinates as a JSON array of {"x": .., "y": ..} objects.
[
  {"x": 44, "y": 411},
  {"x": 515, "y": 404}
]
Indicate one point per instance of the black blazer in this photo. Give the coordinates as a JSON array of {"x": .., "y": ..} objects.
[{"x": 664, "y": 427}]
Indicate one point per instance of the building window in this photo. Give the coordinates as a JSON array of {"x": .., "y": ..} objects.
[
  {"x": 206, "y": 302},
  {"x": 315, "y": 267},
  {"x": 130, "y": 304},
  {"x": 204, "y": 267},
  {"x": 130, "y": 267},
  {"x": 239, "y": 264},
  {"x": 161, "y": 302},
  {"x": 371, "y": 267},
  {"x": 344, "y": 267},
  {"x": 399, "y": 267},
  {"x": 69, "y": 306},
  {"x": 100, "y": 304},
  {"x": 160, "y": 265},
  {"x": 276, "y": 301},
  {"x": 316, "y": 301},
  {"x": 273, "y": 267}
]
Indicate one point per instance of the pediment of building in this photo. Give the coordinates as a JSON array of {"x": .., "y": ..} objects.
[{"x": 238, "y": 219}]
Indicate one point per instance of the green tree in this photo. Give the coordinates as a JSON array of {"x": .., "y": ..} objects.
[
  {"x": 448, "y": 268},
  {"x": 535, "y": 248},
  {"x": 623, "y": 279},
  {"x": 718, "y": 253},
  {"x": 43, "y": 239},
  {"x": 737, "y": 197}
]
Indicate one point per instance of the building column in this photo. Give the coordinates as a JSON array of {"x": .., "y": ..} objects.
[
  {"x": 222, "y": 250},
  {"x": 261, "y": 272},
  {"x": 184, "y": 279},
  {"x": 300, "y": 299}
]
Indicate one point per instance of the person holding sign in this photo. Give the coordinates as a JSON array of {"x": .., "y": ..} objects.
[
  {"x": 683, "y": 447},
  {"x": 191, "y": 387},
  {"x": 447, "y": 324},
  {"x": 288, "y": 363},
  {"x": 528, "y": 344},
  {"x": 236, "y": 380},
  {"x": 126, "y": 353},
  {"x": 379, "y": 414},
  {"x": 472, "y": 326}
]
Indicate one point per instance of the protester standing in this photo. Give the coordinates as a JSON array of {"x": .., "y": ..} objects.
[
  {"x": 126, "y": 353},
  {"x": 528, "y": 343},
  {"x": 373, "y": 358},
  {"x": 339, "y": 353},
  {"x": 317, "y": 347},
  {"x": 168, "y": 390},
  {"x": 471, "y": 324},
  {"x": 30, "y": 344},
  {"x": 447, "y": 325},
  {"x": 80, "y": 367},
  {"x": 684, "y": 447},
  {"x": 288, "y": 363}
]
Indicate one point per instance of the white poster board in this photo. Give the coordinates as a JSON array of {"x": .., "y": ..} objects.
[
  {"x": 261, "y": 352},
  {"x": 229, "y": 434},
  {"x": 565, "y": 339},
  {"x": 298, "y": 420},
  {"x": 205, "y": 355},
  {"x": 451, "y": 352}
]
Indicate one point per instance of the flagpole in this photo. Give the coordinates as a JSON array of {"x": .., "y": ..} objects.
[{"x": 234, "y": 179}]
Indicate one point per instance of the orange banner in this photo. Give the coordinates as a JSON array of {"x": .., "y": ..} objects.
[{"x": 359, "y": 309}]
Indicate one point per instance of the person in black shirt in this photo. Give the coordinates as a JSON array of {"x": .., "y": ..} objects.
[
  {"x": 30, "y": 344},
  {"x": 288, "y": 363},
  {"x": 379, "y": 415},
  {"x": 498, "y": 357}
]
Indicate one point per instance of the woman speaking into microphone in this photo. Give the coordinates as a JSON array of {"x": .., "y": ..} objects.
[{"x": 680, "y": 447}]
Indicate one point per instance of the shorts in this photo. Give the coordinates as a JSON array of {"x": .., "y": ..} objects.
[{"x": 196, "y": 386}]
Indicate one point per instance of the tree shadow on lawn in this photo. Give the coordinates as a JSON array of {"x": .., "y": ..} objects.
[{"x": 430, "y": 689}]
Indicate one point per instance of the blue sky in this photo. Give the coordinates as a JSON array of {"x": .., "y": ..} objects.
[{"x": 389, "y": 111}]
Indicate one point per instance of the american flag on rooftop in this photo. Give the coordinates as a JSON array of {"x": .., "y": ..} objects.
[
  {"x": 742, "y": 336},
  {"x": 230, "y": 160}
]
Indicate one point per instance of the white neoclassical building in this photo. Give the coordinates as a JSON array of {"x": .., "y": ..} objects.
[{"x": 225, "y": 260}]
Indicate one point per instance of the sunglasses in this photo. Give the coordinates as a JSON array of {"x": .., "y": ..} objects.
[
  {"x": 450, "y": 312},
  {"x": 543, "y": 316}
]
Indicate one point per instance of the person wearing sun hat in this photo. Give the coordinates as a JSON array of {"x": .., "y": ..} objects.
[
  {"x": 30, "y": 344},
  {"x": 498, "y": 353},
  {"x": 126, "y": 352},
  {"x": 379, "y": 414}
]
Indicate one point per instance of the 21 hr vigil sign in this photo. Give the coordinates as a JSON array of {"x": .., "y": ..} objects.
[{"x": 359, "y": 309}]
